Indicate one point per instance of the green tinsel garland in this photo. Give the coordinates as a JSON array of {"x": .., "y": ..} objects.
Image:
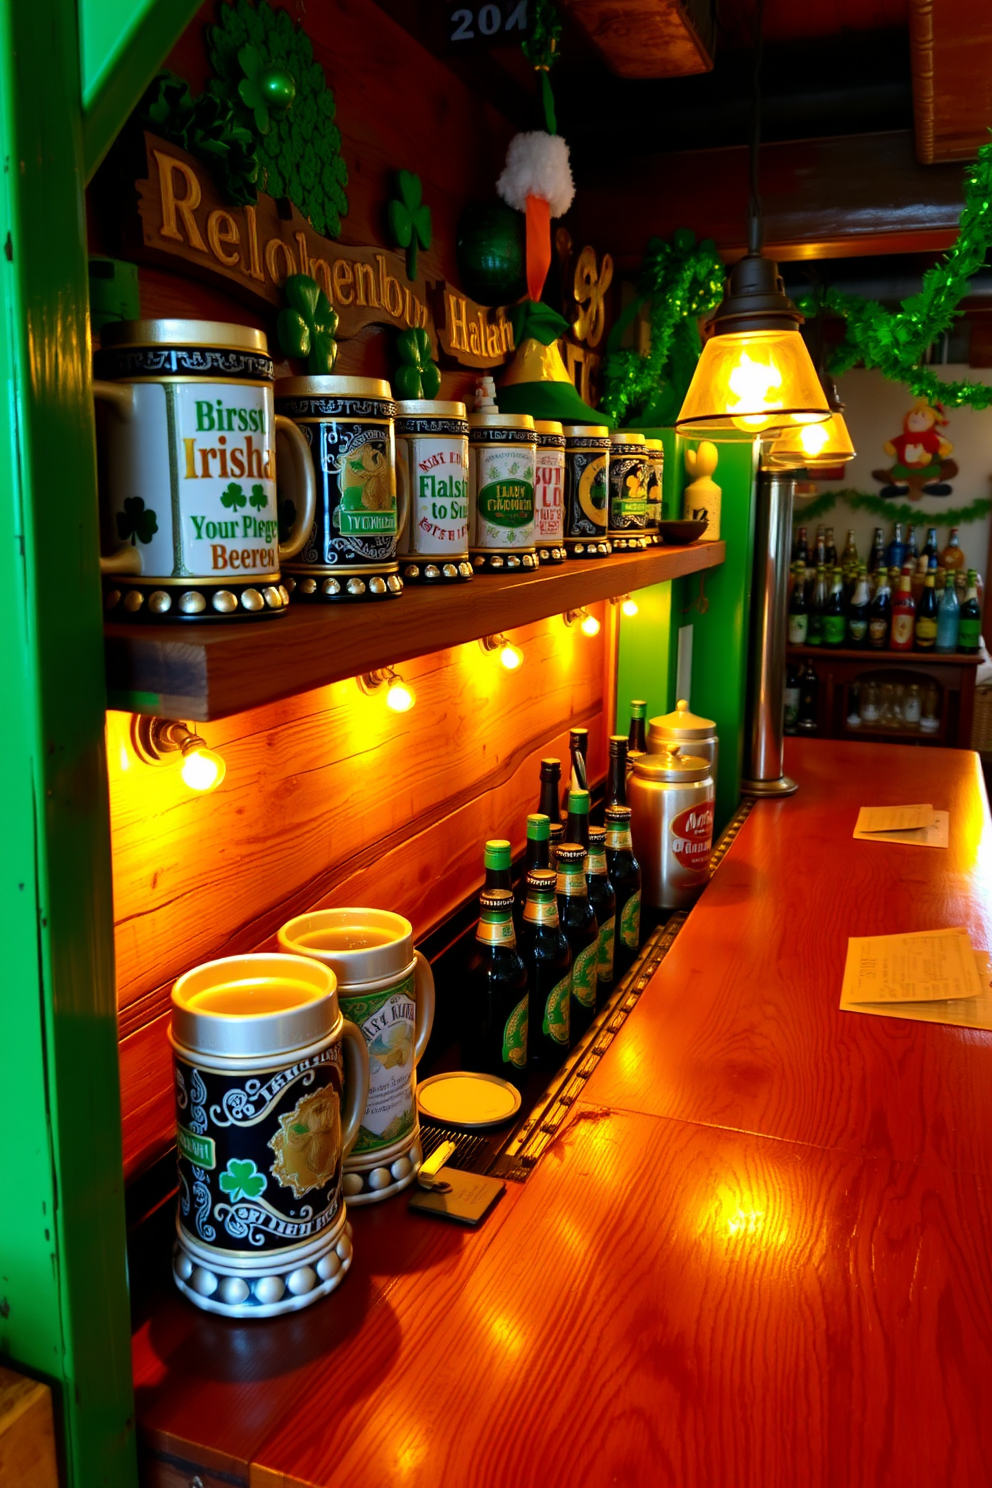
[
  {"x": 950, "y": 516},
  {"x": 896, "y": 341},
  {"x": 681, "y": 280}
]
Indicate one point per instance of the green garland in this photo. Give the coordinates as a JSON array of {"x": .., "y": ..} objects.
[
  {"x": 681, "y": 280},
  {"x": 896, "y": 341},
  {"x": 951, "y": 516}
]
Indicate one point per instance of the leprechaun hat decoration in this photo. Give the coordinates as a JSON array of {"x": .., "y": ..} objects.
[{"x": 536, "y": 381}]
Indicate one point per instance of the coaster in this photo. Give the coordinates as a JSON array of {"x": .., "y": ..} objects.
[{"x": 468, "y": 1100}]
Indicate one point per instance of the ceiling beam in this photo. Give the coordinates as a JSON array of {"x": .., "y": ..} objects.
[
  {"x": 951, "y": 48},
  {"x": 648, "y": 38}
]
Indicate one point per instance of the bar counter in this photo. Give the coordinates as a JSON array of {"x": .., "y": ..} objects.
[{"x": 758, "y": 1253}]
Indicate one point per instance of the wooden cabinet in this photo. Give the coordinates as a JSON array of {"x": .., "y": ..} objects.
[{"x": 844, "y": 675}]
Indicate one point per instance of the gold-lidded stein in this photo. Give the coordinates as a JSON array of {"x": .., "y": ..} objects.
[
  {"x": 549, "y": 492},
  {"x": 587, "y": 490},
  {"x": 432, "y": 463},
  {"x": 271, "y": 1082},
  {"x": 629, "y": 469},
  {"x": 199, "y": 529},
  {"x": 502, "y": 471}
]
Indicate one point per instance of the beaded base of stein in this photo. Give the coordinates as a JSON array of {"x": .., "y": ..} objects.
[
  {"x": 553, "y": 554},
  {"x": 379, "y": 1178},
  {"x": 343, "y": 587},
  {"x": 488, "y": 562},
  {"x": 636, "y": 544},
  {"x": 156, "y": 601},
  {"x": 426, "y": 571},
  {"x": 300, "y": 1277},
  {"x": 585, "y": 547}
]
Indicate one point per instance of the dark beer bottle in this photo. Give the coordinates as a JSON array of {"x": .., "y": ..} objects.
[
  {"x": 800, "y": 548},
  {"x": 578, "y": 747},
  {"x": 857, "y": 611},
  {"x": 798, "y": 611},
  {"x": 537, "y": 854},
  {"x": 578, "y": 921},
  {"x": 809, "y": 701},
  {"x": 926, "y": 614},
  {"x": 814, "y": 630},
  {"x": 636, "y": 739},
  {"x": 616, "y": 780},
  {"x": 494, "y": 1030},
  {"x": 834, "y": 619},
  {"x": 549, "y": 804},
  {"x": 830, "y": 550},
  {"x": 577, "y": 821},
  {"x": 970, "y": 622},
  {"x": 931, "y": 545},
  {"x": 545, "y": 952},
  {"x": 496, "y": 859},
  {"x": 880, "y": 614},
  {"x": 625, "y": 875},
  {"x": 604, "y": 902}
]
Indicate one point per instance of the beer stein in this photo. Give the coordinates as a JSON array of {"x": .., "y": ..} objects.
[
  {"x": 189, "y": 473},
  {"x": 264, "y": 1118},
  {"x": 386, "y": 988},
  {"x": 587, "y": 490},
  {"x": 549, "y": 492},
  {"x": 628, "y": 513},
  {"x": 502, "y": 469},
  {"x": 432, "y": 477}
]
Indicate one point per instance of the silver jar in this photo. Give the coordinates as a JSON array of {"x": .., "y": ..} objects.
[
  {"x": 671, "y": 799},
  {"x": 692, "y": 733}
]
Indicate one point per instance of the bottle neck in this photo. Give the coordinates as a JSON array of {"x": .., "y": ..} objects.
[
  {"x": 549, "y": 800},
  {"x": 541, "y": 909},
  {"x": 496, "y": 929},
  {"x": 597, "y": 861},
  {"x": 616, "y": 783},
  {"x": 572, "y": 880},
  {"x": 498, "y": 878},
  {"x": 538, "y": 853},
  {"x": 618, "y": 838},
  {"x": 577, "y": 828}
]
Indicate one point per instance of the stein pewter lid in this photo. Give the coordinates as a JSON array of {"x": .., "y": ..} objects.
[
  {"x": 671, "y": 765},
  {"x": 332, "y": 386},
  {"x": 429, "y": 408},
  {"x": 213, "y": 333},
  {"x": 679, "y": 725},
  {"x": 200, "y": 1025},
  {"x": 361, "y": 963}
]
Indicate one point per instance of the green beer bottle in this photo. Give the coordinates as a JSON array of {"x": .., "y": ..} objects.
[
  {"x": 578, "y": 920},
  {"x": 545, "y": 952},
  {"x": 494, "y": 1030},
  {"x": 537, "y": 855},
  {"x": 625, "y": 876},
  {"x": 604, "y": 902},
  {"x": 496, "y": 860}
]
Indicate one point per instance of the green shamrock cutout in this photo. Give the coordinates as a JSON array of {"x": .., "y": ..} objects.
[
  {"x": 258, "y": 498},
  {"x": 136, "y": 521},
  {"x": 234, "y": 497},
  {"x": 409, "y": 219},
  {"x": 308, "y": 324},
  {"x": 287, "y": 519},
  {"x": 416, "y": 376},
  {"x": 241, "y": 1180}
]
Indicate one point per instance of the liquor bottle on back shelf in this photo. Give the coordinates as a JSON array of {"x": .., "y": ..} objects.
[
  {"x": 849, "y": 558},
  {"x": 798, "y": 611},
  {"x": 834, "y": 619},
  {"x": 604, "y": 902},
  {"x": 896, "y": 551},
  {"x": 948, "y": 616},
  {"x": 578, "y": 921},
  {"x": 830, "y": 553},
  {"x": 616, "y": 779},
  {"x": 918, "y": 578},
  {"x": 970, "y": 623},
  {"x": 545, "y": 953},
  {"x": 930, "y": 547},
  {"x": 814, "y": 630},
  {"x": 537, "y": 855},
  {"x": 800, "y": 548},
  {"x": 577, "y": 820},
  {"x": 903, "y": 615},
  {"x": 926, "y": 615},
  {"x": 857, "y": 611},
  {"x": 952, "y": 557},
  {"x": 820, "y": 551},
  {"x": 636, "y": 739},
  {"x": 548, "y": 804},
  {"x": 494, "y": 1031},
  {"x": 809, "y": 701},
  {"x": 912, "y": 550},
  {"x": 625, "y": 876},
  {"x": 578, "y": 748},
  {"x": 880, "y": 615},
  {"x": 792, "y": 673},
  {"x": 496, "y": 860}
]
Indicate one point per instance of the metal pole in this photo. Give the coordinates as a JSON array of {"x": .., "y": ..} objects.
[{"x": 765, "y": 718}]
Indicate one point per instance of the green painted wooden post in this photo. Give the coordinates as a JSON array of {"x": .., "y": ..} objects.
[{"x": 64, "y": 1314}]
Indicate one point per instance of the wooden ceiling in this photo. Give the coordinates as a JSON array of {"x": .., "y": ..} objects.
[{"x": 951, "y": 44}]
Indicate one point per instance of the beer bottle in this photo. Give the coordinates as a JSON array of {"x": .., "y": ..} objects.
[
  {"x": 857, "y": 611},
  {"x": 926, "y": 616},
  {"x": 912, "y": 551},
  {"x": 809, "y": 701},
  {"x": 791, "y": 697},
  {"x": 549, "y": 804},
  {"x": 625, "y": 875},
  {"x": 497, "y": 864},
  {"x": 834, "y": 620},
  {"x": 604, "y": 902},
  {"x": 577, "y": 821},
  {"x": 880, "y": 614},
  {"x": 930, "y": 550},
  {"x": 948, "y": 616},
  {"x": 830, "y": 554},
  {"x": 820, "y": 553},
  {"x": 616, "y": 780},
  {"x": 538, "y": 855},
  {"x": 895, "y": 553},
  {"x": 970, "y": 624},
  {"x": 849, "y": 558},
  {"x": 636, "y": 739},
  {"x": 578, "y": 746},
  {"x": 494, "y": 1032},
  {"x": 814, "y": 630},
  {"x": 918, "y": 578},
  {"x": 798, "y": 611},
  {"x": 800, "y": 548},
  {"x": 952, "y": 557},
  {"x": 878, "y": 564},
  {"x": 903, "y": 615},
  {"x": 578, "y": 921},
  {"x": 546, "y": 955}
]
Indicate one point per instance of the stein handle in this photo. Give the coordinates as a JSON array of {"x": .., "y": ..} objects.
[
  {"x": 304, "y": 486},
  {"x": 120, "y": 396},
  {"x": 402, "y": 497},
  {"x": 356, "y": 1083},
  {"x": 425, "y": 1006}
]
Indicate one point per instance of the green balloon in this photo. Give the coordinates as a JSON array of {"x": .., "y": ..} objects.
[
  {"x": 278, "y": 87},
  {"x": 491, "y": 253}
]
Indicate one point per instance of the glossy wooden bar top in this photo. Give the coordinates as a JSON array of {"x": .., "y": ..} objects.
[{"x": 758, "y": 1254}]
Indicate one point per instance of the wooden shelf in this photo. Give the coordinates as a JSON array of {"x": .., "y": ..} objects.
[
  {"x": 202, "y": 672},
  {"x": 883, "y": 658}
]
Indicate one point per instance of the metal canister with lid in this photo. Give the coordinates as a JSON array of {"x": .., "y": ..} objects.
[
  {"x": 692, "y": 733},
  {"x": 629, "y": 467},
  {"x": 549, "y": 492},
  {"x": 671, "y": 797},
  {"x": 432, "y": 466},
  {"x": 587, "y": 490},
  {"x": 502, "y": 461}
]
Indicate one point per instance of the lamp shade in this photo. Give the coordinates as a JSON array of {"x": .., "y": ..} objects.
[
  {"x": 811, "y": 446},
  {"x": 752, "y": 382}
]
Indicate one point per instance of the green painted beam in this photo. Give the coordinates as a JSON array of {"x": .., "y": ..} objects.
[
  {"x": 62, "y": 1263},
  {"x": 122, "y": 44}
]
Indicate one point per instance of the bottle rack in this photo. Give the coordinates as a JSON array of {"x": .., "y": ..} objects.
[{"x": 839, "y": 670}]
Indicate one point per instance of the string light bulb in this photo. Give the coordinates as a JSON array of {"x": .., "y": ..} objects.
[
  {"x": 628, "y": 604},
  {"x": 158, "y": 741},
  {"x": 510, "y": 655},
  {"x": 400, "y": 696},
  {"x": 587, "y": 622}
]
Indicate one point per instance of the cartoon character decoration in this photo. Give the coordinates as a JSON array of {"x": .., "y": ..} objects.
[{"x": 920, "y": 455}]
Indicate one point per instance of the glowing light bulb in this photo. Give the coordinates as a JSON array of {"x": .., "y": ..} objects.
[
  {"x": 400, "y": 698},
  {"x": 202, "y": 769},
  {"x": 511, "y": 656},
  {"x": 590, "y": 625},
  {"x": 629, "y": 606},
  {"x": 813, "y": 437},
  {"x": 752, "y": 383}
]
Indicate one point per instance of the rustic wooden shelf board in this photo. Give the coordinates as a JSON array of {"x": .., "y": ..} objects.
[
  {"x": 881, "y": 658},
  {"x": 203, "y": 672}
]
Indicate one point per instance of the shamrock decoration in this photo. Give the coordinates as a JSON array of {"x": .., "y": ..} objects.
[
  {"x": 241, "y": 1180},
  {"x": 234, "y": 497},
  {"x": 409, "y": 219},
  {"x": 136, "y": 521},
  {"x": 416, "y": 376},
  {"x": 258, "y": 498},
  {"x": 264, "y": 87},
  {"x": 307, "y": 326},
  {"x": 206, "y": 128}
]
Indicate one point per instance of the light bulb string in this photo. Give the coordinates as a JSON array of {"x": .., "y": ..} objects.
[{"x": 755, "y": 232}]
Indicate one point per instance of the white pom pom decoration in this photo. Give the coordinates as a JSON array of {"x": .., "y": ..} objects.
[{"x": 537, "y": 165}]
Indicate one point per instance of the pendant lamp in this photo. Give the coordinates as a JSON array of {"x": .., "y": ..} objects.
[{"x": 813, "y": 446}]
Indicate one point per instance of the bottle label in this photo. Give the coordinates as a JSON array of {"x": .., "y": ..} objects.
[
  {"x": 605, "y": 962},
  {"x": 503, "y": 478},
  {"x": 878, "y": 631},
  {"x": 584, "y": 975},
  {"x": 597, "y": 862},
  {"x": 496, "y": 932},
  {"x": 814, "y": 634},
  {"x": 556, "y": 1020},
  {"x": 515, "y": 1036},
  {"x": 618, "y": 839},
  {"x": 798, "y": 628},
  {"x": 857, "y": 629},
  {"x": 692, "y": 837},
  {"x": 833, "y": 629},
  {"x": 630, "y": 922},
  {"x": 902, "y": 629},
  {"x": 968, "y": 633},
  {"x": 926, "y": 631},
  {"x": 572, "y": 880},
  {"x": 541, "y": 911},
  {"x": 549, "y": 509}
]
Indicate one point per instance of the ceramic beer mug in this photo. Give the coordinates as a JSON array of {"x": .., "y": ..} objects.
[
  {"x": 189, "y": 473},
  {"x": 387, "y": 989},
  {"x": 265, "y": 1112},
  {"x": 432, "y": 478}
]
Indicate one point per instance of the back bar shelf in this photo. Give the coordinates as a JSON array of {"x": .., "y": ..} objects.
[{"x": 204, "y": 672}]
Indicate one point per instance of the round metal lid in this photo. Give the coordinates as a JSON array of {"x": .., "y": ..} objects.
[
  {"x": 297, "y": 998},
  {"x": 581, "y": 431},
  {"x": 470, "y": 1100},
  {"x": 486, "y": 419},
  {"x": 429, "y": 408},
  {"x": 333, "y": 387},
  {"x": 626, "y": 436},
  {"x": 122, "y": 333},
  {"x": 547, "y": 426},
  {"x": 680, "y": 724},
  {"x": 671, "y": 765}
]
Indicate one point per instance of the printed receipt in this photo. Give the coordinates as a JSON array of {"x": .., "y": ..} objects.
[{"x": 927, "y": 966}]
